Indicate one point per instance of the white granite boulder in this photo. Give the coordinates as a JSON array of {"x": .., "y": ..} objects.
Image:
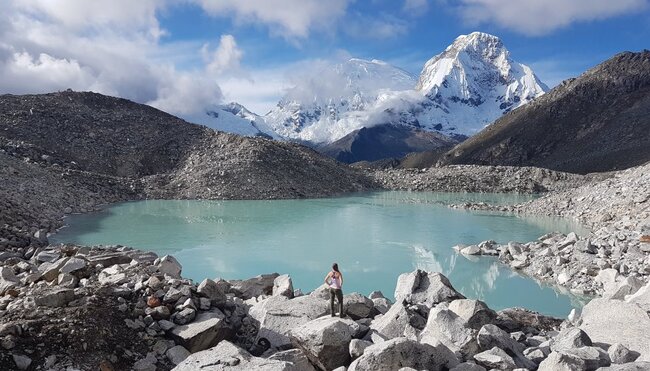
[
  {"x": 207, "y": 330},
  {"x": 227, "y": 356},
  {"x": 427, "y": 288},
  {"x": 402, "y": 352},
  {"x": 282, "y": 285}
]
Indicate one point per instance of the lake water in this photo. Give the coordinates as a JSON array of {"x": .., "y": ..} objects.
[{"x": 374, "y": 237}]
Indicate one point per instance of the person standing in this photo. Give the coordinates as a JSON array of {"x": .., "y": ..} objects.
[{"x": 334, "y": 280}]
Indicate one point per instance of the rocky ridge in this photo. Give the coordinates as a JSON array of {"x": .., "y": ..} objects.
[{"x": 150, "y": 318}]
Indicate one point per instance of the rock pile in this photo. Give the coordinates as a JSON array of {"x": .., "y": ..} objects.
[{"x": 480, "y": 179}]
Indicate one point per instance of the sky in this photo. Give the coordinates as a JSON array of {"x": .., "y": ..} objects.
[{"x": 182, "y": 56}]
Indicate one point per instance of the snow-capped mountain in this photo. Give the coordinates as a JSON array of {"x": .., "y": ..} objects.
[
  {"x": 460, "y": 91},
  {"x": 472, "y": 83},
  {"x": 325, "y": 105},
  {"x": 234, "y": 118}
]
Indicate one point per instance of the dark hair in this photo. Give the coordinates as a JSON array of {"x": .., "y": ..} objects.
[{"x": 335, "y": 266}]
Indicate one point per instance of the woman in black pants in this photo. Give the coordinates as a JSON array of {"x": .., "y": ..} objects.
[{"x": 335, "y": 281}]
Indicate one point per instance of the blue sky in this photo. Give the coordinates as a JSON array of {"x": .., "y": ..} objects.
[{"x": 181, "y": 55}]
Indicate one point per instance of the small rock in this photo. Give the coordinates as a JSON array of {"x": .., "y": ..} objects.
[{"x": 177, "y": 354}]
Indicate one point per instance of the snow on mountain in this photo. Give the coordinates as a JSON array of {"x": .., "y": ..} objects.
[
  {"x": 234, "y": 118},
  {"x": 460, "y": 91},
  {"x": 325, "y": 106},
  {"x": 472, "y": 83}
]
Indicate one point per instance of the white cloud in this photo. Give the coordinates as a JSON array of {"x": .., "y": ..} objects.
[
  {"x": 416, "y": 7},
  {"x": 538, "y": 17},
  {"x": 288, "y": 18},
  {"x": 111, "y": 48},
  {"x": 226, "y": 57}
]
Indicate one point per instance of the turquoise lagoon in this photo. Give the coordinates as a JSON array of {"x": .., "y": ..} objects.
[{"x": 373, "y": 236}]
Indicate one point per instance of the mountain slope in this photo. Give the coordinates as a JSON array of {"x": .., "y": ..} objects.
[
  {"x": 168, "y": 157},
  {"x": 385, "y": 141},
  {"x": 599, "y": 121}
]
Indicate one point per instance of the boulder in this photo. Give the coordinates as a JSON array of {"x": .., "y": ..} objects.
[
  {"x": 110, "y": 259},
  {"x": 8, "y": 279},
  {"x": 169, "y": 265},
  {"x": 22, "y": 362},
  {"x": 227, "y": 356},
  {"x": 520, "y": 319},
  {"x": 49, "y": 256},
  {"x": 627, "y": 286},
  {"x": 54, "y": 298},
  {"x": 399, "y": 320},
  {"x": 73, "y": 265},
  {"x": 282, "y": 285},
  {"x": 491, "y": 336},
  {"x": 325, "y": 341},
  {"x": 568, "y": 338},
  {"x": 562, "y": 362},
  {"x": 495, "y": 358},
  {"x": 471, "y": 250},
  {"x": 50, "y": 270},
  {"x": 277, "y": 315},
  {"x": 357, "y": 346},
  {"x": 427, "y": 288},
  {"x": 612, "y": 321},
  {"x": 618, "y": 353},
  {"x": 211, "y": 290},
  {"x": 113, "y": 275},
  {"x": 402, "y": 352},
  {"x": 185, "y": 316},
  {"x": 254, "y": 287},
  {"x": 357, "y": 306},
  {"x": 297, "y": 359},
  {"x": 475, "y": 312},
  {"x": 207, "y": 330},
  {"x": 376, "y": 295},
  {"x": 177, "y": 354},
  {"x": 446, "y": 327},
  {"x": 593, "y": 357},
  {"x": 381, "y": 305}
]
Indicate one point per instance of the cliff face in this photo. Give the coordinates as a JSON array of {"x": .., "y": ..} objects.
[{"x": 599, "y": 121}]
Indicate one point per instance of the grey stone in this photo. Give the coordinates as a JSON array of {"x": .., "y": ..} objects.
[
  {"x": 295, "y": 357},
  {"x": 398, "y": 321},
  {"x": 8, "y": 279},
  {"x": 169, "y": 265},
  {"x": 537, "y": 354},
  {"x": 325, "y": 341},
  {"x": 282, "y": 285},
  {"x": 54, "y": 298},
  {"x": 22, "y": 362},
  {"x": 471, "y": 250},
  {"x": 376, "y": 295},
  {"x": 207, "y": 330},
  {"x": 357, "y": 346},
  {"x": 49, "y": 256},
  {"x": 277, "y": 315},
  {"x": 211, "y": 290},
  {"x": 113, "y": 275},
  {"x": 401, "y": 352},
  {"x": 475, "y": 312},
  {"x": 108, "y": 260},
  {"x": 593, "y": 357},
  {"x": 491, "y": 336},
  {"x": 166, "y": 325},
  {"x": 381, "y": 305},
  {"x": 357, "y": 306},
  {"x": 618, "y": 353},
  {"x": 572, "y": 337},
  {"x": 562, "y": 362},
  {"x": 50, "y": 271},
  {"x": 177, "y": 354},
  {"x": 634, "y": 366},
  {"x": 227, "y": 356},
  {"x": 612, "y": 321},
  {"x": 185, "y": 316},
  {"x": 495, "y": 358},
  {"x": 254, "y": 287},
  {"x": 72, "y": 265},
  {"x": 427, "y": 288},
  {"x": 446, "y": 327}
]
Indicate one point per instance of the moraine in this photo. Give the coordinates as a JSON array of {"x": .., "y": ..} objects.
[{"x": 400, "y": 231}]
